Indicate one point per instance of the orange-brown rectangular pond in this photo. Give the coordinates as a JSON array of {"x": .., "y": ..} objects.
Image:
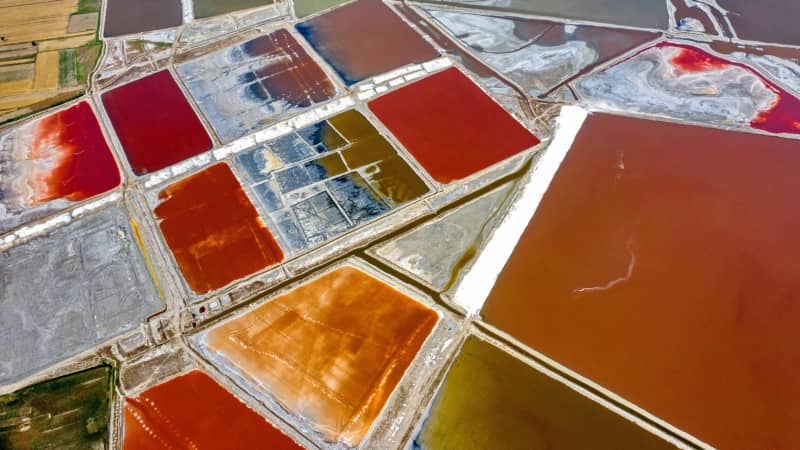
[
  {"x": 213, "y": 230},
  {"x": 330, "y": 351}
]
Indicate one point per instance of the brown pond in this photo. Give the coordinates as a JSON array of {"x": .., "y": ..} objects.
[
  {"x": 208, "y": 8},
  {"x": 662, "y": 264},
  {"x": 380, "y": 41},
  {"x": 765, "y": 20},
  {"x": 634, "y": 13},
  {"x": 128, "y": 17}
]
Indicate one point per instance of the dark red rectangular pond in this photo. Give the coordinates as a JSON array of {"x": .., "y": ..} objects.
[
  {"x": 155, "y": 123},
  {"x": 450, "y": 126}
]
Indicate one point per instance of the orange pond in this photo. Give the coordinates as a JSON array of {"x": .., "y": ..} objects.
[
  {"x": 662, "y": 264},
  {"x": 192, "y": 411},
  {"x": 450, "y": 126},
  {"x": 214, "y": 230},
  {"x": 331, "y": 350}
]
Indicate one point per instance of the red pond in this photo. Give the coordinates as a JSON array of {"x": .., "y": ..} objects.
[
  {"x": 193, "y": 411},
  {"x": 784, "y": 114},
  {"x": 450, "y": 126},
  {"x": 694, "y": 60},
  {"x": 84, "y": 165},
  {"x": 155, "y": 123}
]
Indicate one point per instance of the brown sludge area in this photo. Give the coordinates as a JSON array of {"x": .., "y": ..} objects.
[
  {"x": 498, "y": 402},
  {"x": 381, "y": 41},
  {"x": 662, "y": 264},
  {"x": 765, "y": 20},
  {"x": 634, "y": 13},
  {"x": 392, "y": 176},
  {"x": 208, "y": 8},
  {"x": 129, "y": 17},
  {"x": 331, "y": 350},
  {"x": 291, "y": 74}
]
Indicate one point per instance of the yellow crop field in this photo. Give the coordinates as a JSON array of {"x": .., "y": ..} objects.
[
  {"x": 19, "y": 101},
  {"x": 17, "y": 62},
  {"x": 15, "y": 87},
  {"x": 17, "y": 72},
  {"x": 14, "y": 105},
  {"x": 46, "y": 71},
  {"x": 41, "y": 62},
  {"x": 34, "y": 20},
  {"x": 70, "y": 42}
]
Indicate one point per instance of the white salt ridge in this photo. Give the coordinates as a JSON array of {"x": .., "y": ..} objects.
[
  {"x": 478, "y": 282},
  {"x": 366, "y": 91},
  {"x": 52, "y": 223}
]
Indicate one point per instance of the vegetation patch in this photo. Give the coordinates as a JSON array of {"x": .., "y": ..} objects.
[{"x": 68, "y": 412}]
